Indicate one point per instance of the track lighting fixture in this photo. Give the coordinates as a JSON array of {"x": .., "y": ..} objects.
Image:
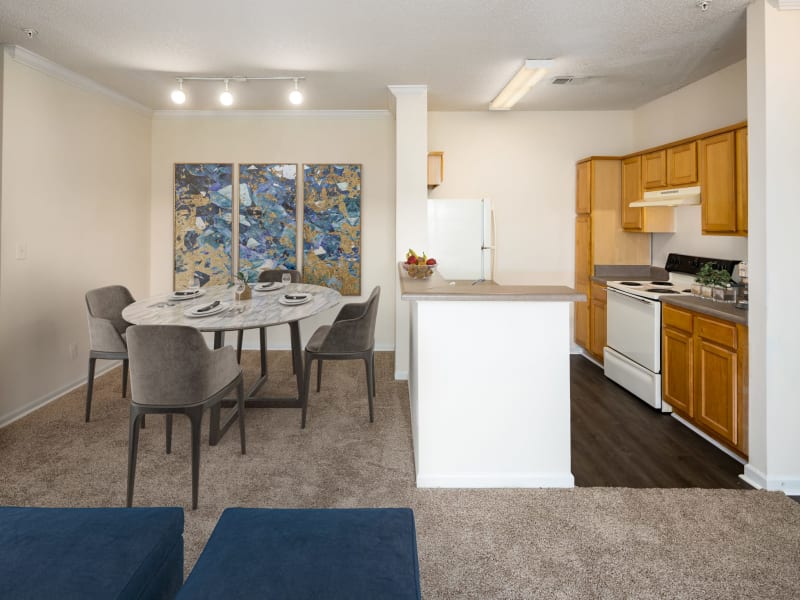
[
  {"x": 527, "y": 76},
  {"x": 226, "y": 97}
]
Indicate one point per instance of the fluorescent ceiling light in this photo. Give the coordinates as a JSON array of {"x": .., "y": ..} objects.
[{"x": 527, "y": 77}]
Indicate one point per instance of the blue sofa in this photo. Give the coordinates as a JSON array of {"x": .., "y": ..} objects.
[{"x": 87, "y": 553}]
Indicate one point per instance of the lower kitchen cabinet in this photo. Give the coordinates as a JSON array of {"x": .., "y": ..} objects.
[
  {"x": 598, "y": 321},
  {"x": 704, "y": 374}
]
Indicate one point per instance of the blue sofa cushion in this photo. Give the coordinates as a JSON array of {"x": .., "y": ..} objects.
[
  {"x": 91, "y": 552},
  {"x": 308, "y": 553}
]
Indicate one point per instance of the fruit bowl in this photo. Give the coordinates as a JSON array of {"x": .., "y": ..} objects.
[{"x": 419, "y": 271}]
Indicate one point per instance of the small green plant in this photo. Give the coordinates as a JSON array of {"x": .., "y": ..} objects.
[{"x": 708, "y": 275}]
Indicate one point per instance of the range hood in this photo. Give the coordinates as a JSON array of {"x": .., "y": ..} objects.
[{"x": 673, "y": 197}]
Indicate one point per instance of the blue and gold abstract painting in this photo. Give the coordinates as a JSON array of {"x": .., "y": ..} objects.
[
  {"x": 332, "y": 226},
  {"x": 267, "y": 217},
  {"x": 203, "y": 223}
]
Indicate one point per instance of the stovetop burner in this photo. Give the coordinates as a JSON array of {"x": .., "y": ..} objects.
[
  {"x": 630, "y": 283},
  {"x": 662, "y": 291},
  {"x": 660, "y": 283}
]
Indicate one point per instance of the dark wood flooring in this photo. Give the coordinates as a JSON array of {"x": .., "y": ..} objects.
[{"x": 619, "y": 441}]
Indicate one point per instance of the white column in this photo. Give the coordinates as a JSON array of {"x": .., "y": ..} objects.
[
  {"x": 773, "y": 89},
  {"x": 411, "y": 225}
]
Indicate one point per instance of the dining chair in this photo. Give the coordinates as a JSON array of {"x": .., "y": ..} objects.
[
  {"x": 351, "y": 336},
  {"x": 173, "y": 371},
  {"x": 107, "y": 333},
  {"x": 263, "y": 277}
]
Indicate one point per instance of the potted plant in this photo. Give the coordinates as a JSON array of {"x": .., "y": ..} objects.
[
  {"x": 715, "y": 284},
  {"x": 242, "y": 286},
  {"x": 703, "y": 281}
]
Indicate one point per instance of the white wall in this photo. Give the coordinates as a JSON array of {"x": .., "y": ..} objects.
[
  {"x": 292, "y": 137},
  {"x": 713, "y": 102},
  {"x": 75, "y": 177},
  {"x": 525, "y": 162}
]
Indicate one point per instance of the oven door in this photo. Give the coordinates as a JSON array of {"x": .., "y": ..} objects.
[{"x": 634, "y": 328}]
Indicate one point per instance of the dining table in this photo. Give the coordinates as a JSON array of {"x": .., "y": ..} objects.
[{"x": 271, "y": 303}]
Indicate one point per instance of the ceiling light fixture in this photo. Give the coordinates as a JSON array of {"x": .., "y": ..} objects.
[
  {"x": 529, "y": 74},
  {"x": 226, "y": 97}
]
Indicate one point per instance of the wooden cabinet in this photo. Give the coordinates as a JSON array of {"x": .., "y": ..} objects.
[
  {"x": 600, "y": 239},
  {"x": 645, "y": 220},
  {"x": 682, "y": 165},
  {"x": 723, "y": 179},
  {"x": 741, "y": 180},
  {"x": 435, "y": 168},
  {"x": 654, "y": 170},
  {"x": 597, "y": 338},
  {"x": 704, "y": 374}
]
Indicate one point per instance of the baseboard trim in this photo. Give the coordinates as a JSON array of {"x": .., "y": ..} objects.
[
  {"x": 788, "y": 484},
  {"x": 38, "y": 403},
  {"x": 495, "y": 480},
  {"x": 401, "y": 375}
]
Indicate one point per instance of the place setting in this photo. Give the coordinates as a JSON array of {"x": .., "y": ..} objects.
[
  {"x": 295, "y": 299},
  {"x": 206, "y": 310}
]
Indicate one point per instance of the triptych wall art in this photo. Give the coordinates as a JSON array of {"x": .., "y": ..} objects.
[{"x": 268, "y": 222}]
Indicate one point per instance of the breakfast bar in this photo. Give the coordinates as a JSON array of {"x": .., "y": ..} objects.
[{"x": 489, "y": 383}]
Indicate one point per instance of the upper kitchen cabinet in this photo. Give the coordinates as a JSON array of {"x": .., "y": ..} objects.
[
  {"x": 583, "y": 199},
  {"x": 642, "y": 220},
  {"x": 724, "y": 205},
  {"x": 741, "y": 180},
  {"x": 654, "y": 170},
  {"x": 435, "y": 168},
  {"x": 682, "y": 165}
]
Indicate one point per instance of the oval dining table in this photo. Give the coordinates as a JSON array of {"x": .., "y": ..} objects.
[{"x": 263, "y": 309}]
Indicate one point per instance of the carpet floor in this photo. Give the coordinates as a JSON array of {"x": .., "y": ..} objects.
[{"x": 512, "y": 543}]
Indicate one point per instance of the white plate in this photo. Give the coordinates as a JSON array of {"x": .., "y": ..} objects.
[
  {"x": 268, "y": 286},
  {"x": 287, "y": 302},
  {"x": 193, "y": 312},
  {"x": 182, "y": 296}
]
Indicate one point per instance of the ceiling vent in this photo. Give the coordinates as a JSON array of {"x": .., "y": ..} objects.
[{"x": 562, "y": 80}]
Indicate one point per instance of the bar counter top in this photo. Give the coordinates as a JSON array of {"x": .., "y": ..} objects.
[{"x": 437, "y": 288}]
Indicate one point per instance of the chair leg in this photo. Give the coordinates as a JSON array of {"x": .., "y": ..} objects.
[
  {"x": 240, "y": 408},
  {"x": 374, "y": 388},
  {"x": 169, "y": 433},
  {"x": 143, "y": 423},
  {"x": 319, "y": 373},
  {"x": 307, "y": 381},
  {"x": 133, "y": 447},
  {"x": 196, "y": 418},
  {"x": 239, "y": 342},
  {"x": 370, "y": 376},
  {"x": 262, "y": 344},
  {"x": 125, "y": 367},
  {"x": 89, "y": 388}
]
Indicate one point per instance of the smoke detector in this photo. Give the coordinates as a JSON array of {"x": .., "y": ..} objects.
[{"x": 30, "y": 32}]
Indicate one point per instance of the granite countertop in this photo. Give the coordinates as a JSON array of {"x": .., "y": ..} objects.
[
  {"x": 437, "y": 287},
  {"x": 721, "y": 310}
]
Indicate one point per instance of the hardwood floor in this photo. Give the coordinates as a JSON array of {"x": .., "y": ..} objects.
[{"x": 618, "y": 440}]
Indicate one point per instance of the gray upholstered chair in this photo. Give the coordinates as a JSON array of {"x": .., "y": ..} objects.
[
  {"x": 107, "y": 333},
  {"x": 350, "y": 336},
  {"x": 264, "y": 276},
  {"x": 173, "y": 371}
]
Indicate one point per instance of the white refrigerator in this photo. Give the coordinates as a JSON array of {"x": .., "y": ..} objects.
[{"x": 461, "y": 237}]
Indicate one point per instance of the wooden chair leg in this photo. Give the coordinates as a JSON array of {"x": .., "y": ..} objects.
[
  {"x": 169, "y": 433},
  {"x": 319, "y": 373},
  {"x": 133, "y": 447},
  {"x": 370, "y": 376},
  {"x": 307, "y": 382},
  {"x": 89, "y": 388},
  {"x": 239, "y": 342},
  {"x": 240, "y": 408},
  {"x": 196, "y": 418},
  {"x": 125, "y": 367}
]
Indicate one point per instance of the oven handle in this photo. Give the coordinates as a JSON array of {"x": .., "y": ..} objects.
[{"x": 632, "y": 297}]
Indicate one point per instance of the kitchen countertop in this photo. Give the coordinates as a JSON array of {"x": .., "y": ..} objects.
[
  {"x": 720, "y": 310},
  {"x": 437, "y": 287},
  {"x": 605, "y": 273}
]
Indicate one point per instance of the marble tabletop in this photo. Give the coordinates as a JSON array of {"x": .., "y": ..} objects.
[{"x": 262, "y": 310}]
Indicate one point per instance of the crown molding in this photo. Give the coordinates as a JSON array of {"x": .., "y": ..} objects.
[
  {"x": 271, "y": 114},
  {"x": 48, "y": 67},
  {"x": 399, "y": 90}
]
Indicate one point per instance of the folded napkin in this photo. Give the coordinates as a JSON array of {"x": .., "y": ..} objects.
[
  {"x": 295, "y": 296},
  {"x": 213, "y": 305},
  {"x": 187, "y": 292}
]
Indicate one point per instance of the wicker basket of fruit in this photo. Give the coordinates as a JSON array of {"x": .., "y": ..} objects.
[{"x": 419, "y": 267}]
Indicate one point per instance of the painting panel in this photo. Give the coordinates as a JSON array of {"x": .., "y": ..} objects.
[
  {"x": 332, "y": 226},
  {"x": 203, "y": 223},
  {"x": 267, "y": 217}
]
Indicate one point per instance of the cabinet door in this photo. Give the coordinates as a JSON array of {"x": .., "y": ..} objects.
[
  {"x": 598, "y": 320},
  {"x": 583, "y": 265},
  {"x": 677, "y": 380},
  {"x": 435, "y": 168},
  {"x": 583, "y": 181},
  {"x": 682, "y": 164},
  {"x": 741, "y": 180},
  {"x": 654, "y": 170},
  {"x": 632, "y": 218},
  {"x": 716, "y": 391},
  {"x": 718, "y": 183}
]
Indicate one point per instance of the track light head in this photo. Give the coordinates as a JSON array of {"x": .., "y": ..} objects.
[
  {"x": 226, "y": 98},
  {"x": 296, "y": 96},
  {"x": 178, "y": 97}
]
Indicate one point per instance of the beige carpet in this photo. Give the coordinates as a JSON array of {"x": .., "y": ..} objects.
[{"x": 581, "y": 543}]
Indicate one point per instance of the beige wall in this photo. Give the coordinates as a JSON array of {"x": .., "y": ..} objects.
[
  {"x": 525, "y": 162},
  {"x": 713, "y": 102},
  {"x": 75, "y": 183},
  {"x": 346, "y": 137}
]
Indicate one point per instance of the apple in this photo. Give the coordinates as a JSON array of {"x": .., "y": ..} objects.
[
  {"x": 412, "y": 260},
  {"x": 430, "y": 261}
]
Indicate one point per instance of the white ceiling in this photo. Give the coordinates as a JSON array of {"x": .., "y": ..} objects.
[{"x": 623, "y": 52}]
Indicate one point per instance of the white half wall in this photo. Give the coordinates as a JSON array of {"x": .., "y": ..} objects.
[
  {"x": 364, "y": 137},
  {"x": 74, "y": 216}
]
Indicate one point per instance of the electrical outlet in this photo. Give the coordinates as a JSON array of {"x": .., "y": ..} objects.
[
  {"x": 73, "y": 351},
  {"x": 22, "y": 251}
]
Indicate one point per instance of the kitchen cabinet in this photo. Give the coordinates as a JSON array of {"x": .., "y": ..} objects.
[
  {"x": 598, "y": 320},
  {"x": 654, "y": 170},
  {"x": 599, "y": 236},
  {"x": 704, "y": 374},
  {"x": 644, "y": 220},
  {"x": 723, "y": 179},
  {"x": 435, "y": 168},
  {"x": 682, "y": 165}
]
